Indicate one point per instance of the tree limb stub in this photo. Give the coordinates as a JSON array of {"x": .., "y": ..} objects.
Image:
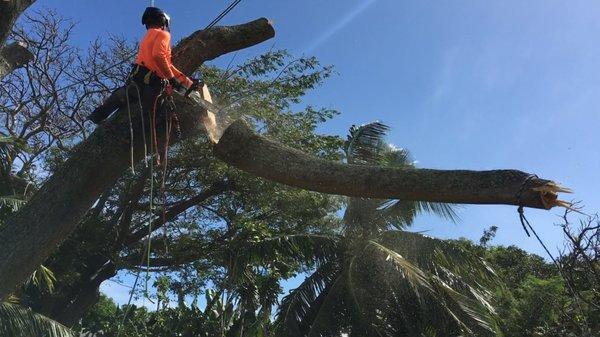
[
  {"x": 14, "y": 56},
  {"x": 206, "y": 45},
  {"x": 241, "y": 147},
  {"x": 54, "y": 211}
]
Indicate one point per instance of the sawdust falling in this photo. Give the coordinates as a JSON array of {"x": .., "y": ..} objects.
[{"x": 214, "y": 122}]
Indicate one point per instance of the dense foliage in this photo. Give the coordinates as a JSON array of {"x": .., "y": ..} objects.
[{"x": 533, "y": 301}]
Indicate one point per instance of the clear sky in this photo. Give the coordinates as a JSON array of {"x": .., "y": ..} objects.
[{"x": 463, "y": 84}]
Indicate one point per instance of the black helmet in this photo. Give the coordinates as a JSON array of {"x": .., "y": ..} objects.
[{"x": 155, "y": 16}]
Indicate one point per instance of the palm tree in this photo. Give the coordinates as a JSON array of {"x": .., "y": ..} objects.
[
  {"x": 255, "y": 263},
  {"x": 21, "y": 322},
  {"x": 376, "y": 279}
]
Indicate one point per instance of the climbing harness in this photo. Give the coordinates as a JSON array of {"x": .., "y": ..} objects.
[{"x": 164, "y": 101}]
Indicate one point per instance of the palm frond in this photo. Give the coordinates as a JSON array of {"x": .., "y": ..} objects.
[
  {"x": 434, "y": 285},
  {"x": 326, "y": 321},
  {"x": 392, "y": 156},
  {"x": 302, "y": 248},
  {"x": 401, "y": 213},
  {"x": 296, "y": 307},
  {"x": 18, "y": 321},
  {"x": 456, "y": 278},
  {"x": 417, "y": 279},
  {"x": 42, "y": 278},
  {"x": 12, "y": 201},
  {"x": 477, "y": 310},
  {"x": 362, "y": 216},
  {"x": 364, "y": 143},
  {"x": 443, "y": 210},
  {"x": 440, "y": 257}
]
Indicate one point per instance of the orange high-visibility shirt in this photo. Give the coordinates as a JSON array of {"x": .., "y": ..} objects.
[{"x": 155, "y": 54}]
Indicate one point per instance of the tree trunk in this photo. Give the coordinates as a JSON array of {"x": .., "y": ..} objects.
[
  {"x": 71, "y": 300},
  {"x": 241, "y": 147},
  {"x": 10, "y": 10},
  {"x": 87, "y": 296},
  {"x": 54, "y": 211},
  {"x": 12, "y": 57}
]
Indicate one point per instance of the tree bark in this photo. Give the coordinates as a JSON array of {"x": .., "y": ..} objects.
[
  {"x": 241, "y": 147},
  {"x": 87, "y": 295},
  {"x": 54, "y": 211},
  {"x": 12, "y": 57},
  {"x": 10, "y": 10}
]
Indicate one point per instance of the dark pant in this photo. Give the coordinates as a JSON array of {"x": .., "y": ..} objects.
[{"x": 142, "y": 86}]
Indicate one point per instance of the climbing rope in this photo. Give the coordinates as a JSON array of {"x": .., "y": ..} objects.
[
  {"x": 137, "y": 88},
  {"x": 144, "y": 256},
  {"x": 127, "y": 59},
  {"x": 223, "y": 14},
  {"x": 529, "y": 228},
  {"x": 154, "y": 143}
]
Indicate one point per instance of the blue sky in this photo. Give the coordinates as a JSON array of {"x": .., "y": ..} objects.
[{"x": 463, "y": 84}]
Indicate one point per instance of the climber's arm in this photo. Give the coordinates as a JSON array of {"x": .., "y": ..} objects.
[{"x": 184, "y": 80}]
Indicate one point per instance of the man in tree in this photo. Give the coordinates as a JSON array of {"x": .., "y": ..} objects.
[{"x": 153, "y": 73}]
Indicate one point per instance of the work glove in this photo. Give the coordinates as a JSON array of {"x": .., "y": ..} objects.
[
  {"x": 197, "y": 85},
  {"x": 175, "y": 84}
]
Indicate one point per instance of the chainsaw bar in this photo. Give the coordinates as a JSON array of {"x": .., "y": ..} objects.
[{"x": 195, "y": 97}]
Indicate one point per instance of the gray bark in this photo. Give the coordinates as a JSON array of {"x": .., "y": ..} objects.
[
  {"x": 54, "y": 211},
  {"x": 241, "y": 147},
  {"x": 10, "y": 10}
]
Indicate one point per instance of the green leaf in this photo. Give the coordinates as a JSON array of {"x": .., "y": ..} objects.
[
  {"x": 296, "y": 307},
  {"x": 12, "y": 202},
  {"x": 20, "y": 322},
  {"x": 364, "y": 143}
]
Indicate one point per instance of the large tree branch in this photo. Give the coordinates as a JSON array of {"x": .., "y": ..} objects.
[
  {"x": 10, "y": 10},
  {"x": 87, "y": 296},
  {"x": 174, "y": 211},
  {"x": 242, "y": 148},
  {"x": 188, "y": 251},
  {"x": 31, "y": 235},
  {"x": 206, "y": 45},
  {"x": 13, "y": 56}
]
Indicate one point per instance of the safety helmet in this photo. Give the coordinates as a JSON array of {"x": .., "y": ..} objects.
[{"x": 155, "y": 16}]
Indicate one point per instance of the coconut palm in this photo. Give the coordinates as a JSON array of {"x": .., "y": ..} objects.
[
  {"x": 380, "y": 280},
  {"x": 21, "y": 322}
]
